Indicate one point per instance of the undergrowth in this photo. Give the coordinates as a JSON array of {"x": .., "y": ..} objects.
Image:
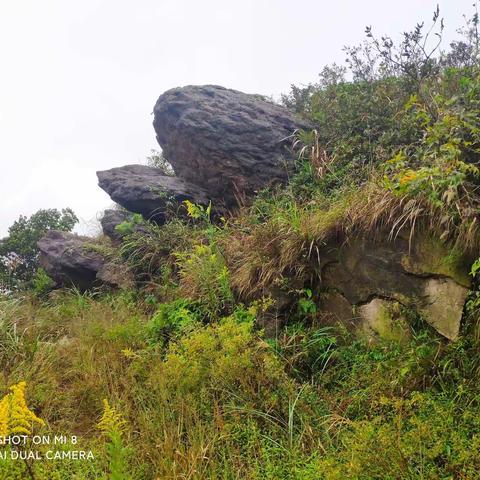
[{"x": 218, "y": 400}]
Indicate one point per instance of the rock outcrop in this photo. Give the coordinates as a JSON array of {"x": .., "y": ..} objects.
[
  {"x": 148, "y": 191},
  {"x": 384, "y": 318},
  {"x": 224, "y": 145},
  {"x": 367, "y": 273},
  {"x": 72, "y": 260},
  {"x": 227, "y": 142}
]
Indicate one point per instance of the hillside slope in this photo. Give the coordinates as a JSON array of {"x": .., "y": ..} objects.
[{"x": 300, "y": 301}]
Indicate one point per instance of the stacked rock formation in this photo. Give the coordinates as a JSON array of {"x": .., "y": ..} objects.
[{"x": 225, "y": 146}]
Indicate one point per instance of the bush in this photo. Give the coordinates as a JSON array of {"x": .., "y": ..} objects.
[
  {"x": 172, "y": 318},
  {"x": 42, "y": 283},
  {"x": 204, "y": 277},
  {"x": 149, "y": 252}
]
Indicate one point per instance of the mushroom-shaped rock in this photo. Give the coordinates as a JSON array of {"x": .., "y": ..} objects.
[
  {"x": 71, "y": 260},
  {"x": 230, "y": 143},
  {"x": 147, "y": 190}
]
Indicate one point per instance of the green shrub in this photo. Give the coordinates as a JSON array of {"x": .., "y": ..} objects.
[
  {"x": 204, "y": 277},
  {"x": 149, "y": 253},
  {"x": 42, "y": 283},
  {"x": 128, "y": 226},
  {"x": 172, "y": 318}
]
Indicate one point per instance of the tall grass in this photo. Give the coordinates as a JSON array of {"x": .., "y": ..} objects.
[{"x": 219, "y": 401}]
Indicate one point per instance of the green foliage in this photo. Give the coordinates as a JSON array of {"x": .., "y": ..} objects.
[
  {"x": 473, "y": 301},
  {"x": 18, "y": 251},
  {"x": 157, "y": 160},
  {"x": 172, "y": 318},
  {"x": 149, "y": 252},
  {"x": 218, "y": 399},
  {"x": 442, "y": 167},
  {"x": 412, "y": 59},
  {"x": 204, "y": 277},
  {"x": 306, "y": 305},
  {"x": 202, "y": 216},
  {"x": 112, "y": 425},
  {"x": 405, "y": 102},
  {"x": 198, "y": 212},
  {"x": 42, "y": 283},
  {"x": 116, "y": 453},
  {"x": 128, "y": 226},
  {"x": 357, "y": 127},
  {"x": 424, "y": 431},
  {"x": 475, "y": 269}
]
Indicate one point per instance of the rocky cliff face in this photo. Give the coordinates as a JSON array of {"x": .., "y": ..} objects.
[{"x": 371, "y": 278}]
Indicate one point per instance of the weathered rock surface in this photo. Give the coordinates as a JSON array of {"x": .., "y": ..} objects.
[
  {"x": 110, "y": 219},
  {"x": 148, "y": 191},
  {"x": 442, "y": 305},
  {"x": 223, "y": 145},
  {"x": 71, "y": 261},
  {"x": 337, "y": 309},
  {"x": 384, "y": 318},
  {"x": 368, "y": 273},
  {"x": 225, "y": 141}
]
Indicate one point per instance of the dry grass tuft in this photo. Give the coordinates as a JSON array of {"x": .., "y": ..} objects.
[{"x": 290, "y": 241}]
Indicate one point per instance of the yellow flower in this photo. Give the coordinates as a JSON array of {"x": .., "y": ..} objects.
[
  {"x": 111, "y": 421},
  {"x": 193, "y": 210},
  {"x": 15, "y": 416},
  {"x": 260, "y": 306},
  {"x": 407, "y": 177},
  {"x": 21, "y": 417},
  {"x": 128, "y": 353},
  {"x": 4, "y": 416}
]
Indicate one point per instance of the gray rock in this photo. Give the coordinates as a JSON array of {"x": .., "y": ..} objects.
[
  {"x": 335, "y": 308},
  {"x": 384, "y": 318},
  {"x": 110, "y": 219},
  {"x": 115, "y": 275},
  {"x": 228, "y": 142},
  {"x": 71, "y": 260},
  {"x": 366, "y": 269},
  {"x": 147, "y": 190},
  {"x": 442, "y": 305}
]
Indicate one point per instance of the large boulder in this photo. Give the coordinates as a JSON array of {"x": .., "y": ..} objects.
[
  {"x": 147, "y": 190},
  {"x": 229, "y": 143},
  {"x": 73, "y": 260}
]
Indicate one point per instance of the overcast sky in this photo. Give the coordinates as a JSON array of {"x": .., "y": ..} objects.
[{"x": 79, "y": 78}]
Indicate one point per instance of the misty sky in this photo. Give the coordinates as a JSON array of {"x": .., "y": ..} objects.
[{"x": 79, "y": 79}]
